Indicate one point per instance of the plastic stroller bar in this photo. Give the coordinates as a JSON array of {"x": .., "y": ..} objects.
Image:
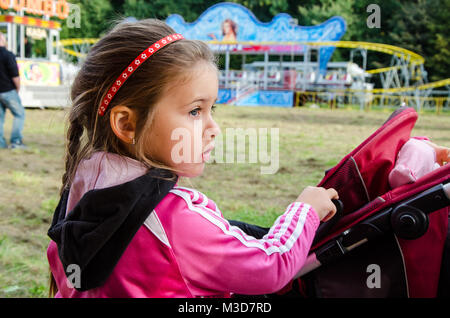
[
  {"x": 407, "y": 219},
  {"x": 447, "y": 190},
  {"x": 432, "y": 199}
]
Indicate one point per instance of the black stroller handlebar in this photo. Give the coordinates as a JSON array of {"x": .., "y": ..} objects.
[
  {"x": 325, "y": 228},
  {"x": 407, "y": 220},
  {"x": 339, "y": 206}
]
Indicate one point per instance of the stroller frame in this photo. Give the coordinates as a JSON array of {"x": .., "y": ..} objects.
[
  {"x": 415, "y": 216},
  {"x": 408, "y": 220}
]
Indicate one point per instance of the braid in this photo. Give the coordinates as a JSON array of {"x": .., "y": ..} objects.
[{"x": 74, "y": 134}]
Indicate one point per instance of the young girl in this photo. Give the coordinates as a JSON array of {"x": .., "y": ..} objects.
[{"x": 123, "y": 227}]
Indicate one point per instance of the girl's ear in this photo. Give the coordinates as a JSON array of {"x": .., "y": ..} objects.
[{"x": 123, "y": 123}]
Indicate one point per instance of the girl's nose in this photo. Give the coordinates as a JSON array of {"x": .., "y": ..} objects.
[{"x": 212, "y": 129}]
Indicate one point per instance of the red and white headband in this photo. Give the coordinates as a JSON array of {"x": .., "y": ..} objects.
[{"x": 152, "y": 49}]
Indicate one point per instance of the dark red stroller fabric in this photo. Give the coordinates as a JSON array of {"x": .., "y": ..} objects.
[
  {"x": 361, "y": 179},
  {"x": 423, "y": 256},
  {"x": 362, "y": 175}
]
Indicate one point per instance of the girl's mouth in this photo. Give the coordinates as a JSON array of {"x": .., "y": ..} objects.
[{"x": 206, "y": 155}]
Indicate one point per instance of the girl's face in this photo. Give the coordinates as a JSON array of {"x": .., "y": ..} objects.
[
  {"x": 227, "y": 28},
  {"x": 183, "y": 131}
]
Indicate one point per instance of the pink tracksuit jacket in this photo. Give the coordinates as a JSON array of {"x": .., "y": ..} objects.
[{"x": 185, "y": 247}]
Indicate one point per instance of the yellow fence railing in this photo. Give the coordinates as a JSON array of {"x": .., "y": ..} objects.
[{"x": 368, "y": 101}]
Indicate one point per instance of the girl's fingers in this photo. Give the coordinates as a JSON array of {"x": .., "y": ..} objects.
[
  {"x": 442, "y": 155},
  {"x": 333, "y": 193},
  {"x": 329, "y": 216},
  {"x": 332, "y": 211}
]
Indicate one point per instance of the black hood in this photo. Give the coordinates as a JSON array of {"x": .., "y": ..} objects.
[{"x": 97, "y": 231}]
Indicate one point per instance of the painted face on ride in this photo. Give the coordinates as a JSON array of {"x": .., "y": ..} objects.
[{"x": 227, "y": 28}]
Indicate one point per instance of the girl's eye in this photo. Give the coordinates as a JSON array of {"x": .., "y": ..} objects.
[{"x": 195, "y": 112}]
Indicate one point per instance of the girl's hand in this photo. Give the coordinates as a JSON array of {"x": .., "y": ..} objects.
[
  {"x": 320, "y": 200},
  {"x": 442, "y": 153}
]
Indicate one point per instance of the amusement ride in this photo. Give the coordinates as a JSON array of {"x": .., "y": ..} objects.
[{"x": 282, "y": 64}]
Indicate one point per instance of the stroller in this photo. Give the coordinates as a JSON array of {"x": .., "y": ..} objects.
[{"x": 382, "y": 242}]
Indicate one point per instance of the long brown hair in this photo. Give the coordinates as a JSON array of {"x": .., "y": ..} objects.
[{"x": 87, "y": 131}]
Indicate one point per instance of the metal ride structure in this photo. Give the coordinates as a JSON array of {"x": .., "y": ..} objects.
[
  {"x": 78, "y": 48},
  {"x": 406, "y": 76},
  {"x": 295, "y": 68},
  {"x": 406, "y": 79}
]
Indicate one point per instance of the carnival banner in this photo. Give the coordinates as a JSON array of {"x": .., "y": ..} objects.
[
  {"x": 233, "y": 27},
  {"x": 34, "y": 73}
]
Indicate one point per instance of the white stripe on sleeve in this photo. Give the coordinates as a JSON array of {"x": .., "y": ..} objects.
[{"x": 268, "y": 243}]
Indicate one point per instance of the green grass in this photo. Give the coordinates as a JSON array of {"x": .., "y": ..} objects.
[{"x": 310, "y": 141}]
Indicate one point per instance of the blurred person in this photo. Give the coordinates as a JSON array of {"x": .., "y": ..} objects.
[
  {"x": 9, "y": 96},
  {"x": 28, "y": 48}
]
